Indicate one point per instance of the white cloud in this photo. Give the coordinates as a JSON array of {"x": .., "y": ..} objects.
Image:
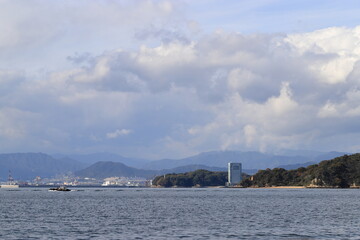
[
  {"x": 328, "y": 110},
  {"x": 250, "y": 134},
  {"x": 239, "y": 79},
  {"x": 334, "y": 51},
  {"x": 38, "y": 30},
  {"x": 220, "y": 90},
  {"x": 118, "y": 132},
  {"x": 282, "y": 103}
]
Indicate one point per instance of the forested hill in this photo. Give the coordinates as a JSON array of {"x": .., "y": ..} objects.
[
  {"x": 190, "y": 179},
  {"x": 340, "y": 172},
  {"x": 201, "y": 178}
]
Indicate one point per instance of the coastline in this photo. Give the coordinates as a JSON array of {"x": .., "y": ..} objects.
[{"x": 282, "y": 187}]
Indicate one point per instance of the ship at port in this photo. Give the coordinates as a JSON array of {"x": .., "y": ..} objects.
[{"x": 10, "y": 183}]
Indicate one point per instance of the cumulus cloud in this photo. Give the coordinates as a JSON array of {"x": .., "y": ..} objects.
[
  {"x": 182, "y": 95},
  {"x": 334, "y": 52}
]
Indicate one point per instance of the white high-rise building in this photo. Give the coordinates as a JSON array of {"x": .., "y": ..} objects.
[{"x": 234, "y": 173}]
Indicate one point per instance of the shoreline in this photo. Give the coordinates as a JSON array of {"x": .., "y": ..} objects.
[{"x": 282, "y": 187}]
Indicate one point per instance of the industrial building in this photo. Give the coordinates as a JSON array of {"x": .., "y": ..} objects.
[{"x": 234, "y": 174}]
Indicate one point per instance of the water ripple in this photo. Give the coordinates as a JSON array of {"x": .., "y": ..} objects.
[{"x": 180, "y": 214}]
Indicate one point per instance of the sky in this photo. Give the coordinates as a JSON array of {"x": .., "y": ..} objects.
[{"x": 169, "y": 79}]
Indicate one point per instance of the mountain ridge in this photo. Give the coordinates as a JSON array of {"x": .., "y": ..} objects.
[
  {"x": 116, "y": 169},
  {"x": 250, "y": 159},
  {"x": 26, "y": 166}
]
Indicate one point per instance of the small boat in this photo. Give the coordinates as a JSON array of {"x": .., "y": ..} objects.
[
  {"x": 11, "y": 183},
  {"x": 60, "y": 189},
  {"x": 9, "y": 186}
]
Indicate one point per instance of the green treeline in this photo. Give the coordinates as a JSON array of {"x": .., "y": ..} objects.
[
  {"x": 340, "y": 172},
  {"x": 196, "y": 178}
]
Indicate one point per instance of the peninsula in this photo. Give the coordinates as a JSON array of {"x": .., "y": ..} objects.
[{"x": 340, "y": 172}]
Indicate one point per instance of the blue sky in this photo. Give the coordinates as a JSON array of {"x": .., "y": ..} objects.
[
  {"x": 168, "y": 79},
  {"x": 271, "y": 16}
]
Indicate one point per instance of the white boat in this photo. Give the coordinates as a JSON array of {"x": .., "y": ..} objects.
[
  {"x": 10, "y": 183},
  {"x": 9, "y": 186}
]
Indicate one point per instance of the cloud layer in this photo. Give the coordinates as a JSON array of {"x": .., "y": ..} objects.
[{"x": 177, "y": 95}]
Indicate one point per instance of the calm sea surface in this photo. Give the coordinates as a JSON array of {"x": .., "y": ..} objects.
[{"x": 36, "y": 213}]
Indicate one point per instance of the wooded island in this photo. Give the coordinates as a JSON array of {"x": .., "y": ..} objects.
[{"x": 340, "y": 172}]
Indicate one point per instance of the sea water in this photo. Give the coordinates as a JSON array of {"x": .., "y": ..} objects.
[{"x": 180, "y": 213}]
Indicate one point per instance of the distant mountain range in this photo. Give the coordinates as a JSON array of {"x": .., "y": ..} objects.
[
  {"x": 249, "y": 160},
  {"x": 296, "y": 166},
  {"x": 316, "y": 159},
  {"x": 26, "y": 166},
  {"x": 92, "y": 158},
  {"x": 112, "y": 169}
]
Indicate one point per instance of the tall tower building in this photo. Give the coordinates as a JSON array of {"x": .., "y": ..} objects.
[{"x": 234, "y": 173}]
